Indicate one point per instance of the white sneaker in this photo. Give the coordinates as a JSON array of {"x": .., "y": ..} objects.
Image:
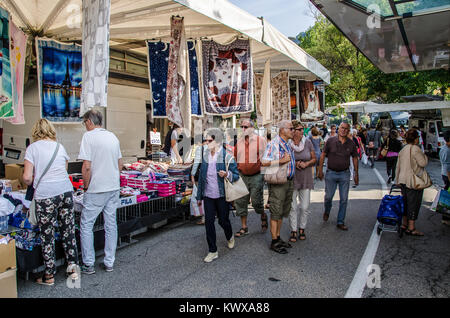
[
  {"x": 231, "y": 243},
  {"x": 211, "y": 256}
]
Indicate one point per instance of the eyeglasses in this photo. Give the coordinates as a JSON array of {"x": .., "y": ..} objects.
[
  {"x": 299, "y": 129},
  {"x": 245, "y": 127},
  {"x": 209, "y": 140}
]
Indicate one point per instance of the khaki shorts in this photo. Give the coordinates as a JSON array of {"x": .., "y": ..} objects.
[
  {"x": 280, "y": 199},
  {"x": 255, "y": 185}
]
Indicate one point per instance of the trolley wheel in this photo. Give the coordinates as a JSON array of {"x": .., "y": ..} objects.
[{"x": 379, "y": 230}]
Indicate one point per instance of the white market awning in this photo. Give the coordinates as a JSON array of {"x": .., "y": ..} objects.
[
  {"x": 133, "y": 21},
  {"x": 371, "y": 107}
]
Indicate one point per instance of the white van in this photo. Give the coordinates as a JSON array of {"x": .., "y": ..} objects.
[
  {"x": 432, "y": 133},
  {"x": 125, "y": 115}
]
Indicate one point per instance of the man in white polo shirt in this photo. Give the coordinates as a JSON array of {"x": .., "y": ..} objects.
[{"x": 102, "y": 162}]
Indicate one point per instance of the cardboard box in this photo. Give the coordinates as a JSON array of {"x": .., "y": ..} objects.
[
  {"x": 7, "y": 256},
  {"x": 15, "y": 171},
  {"x": 8, "y": 284}
]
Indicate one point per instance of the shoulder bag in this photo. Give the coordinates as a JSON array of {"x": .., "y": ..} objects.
[
  {"x": 422, "y": 181},
  {"x": 32, "y": 210},
  {"x": 276, "y": 174},
  {"x": 235, "y": 190},
  {"x": 385, "y": 149}
]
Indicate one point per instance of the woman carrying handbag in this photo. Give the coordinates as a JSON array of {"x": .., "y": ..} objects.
[
  {"x": 413, "y": 178},
  {"x": 211, "y": 190},
  {"x": 45, "y": 169}
]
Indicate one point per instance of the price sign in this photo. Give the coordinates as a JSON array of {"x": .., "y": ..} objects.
[{"x": 155, "y": 138}]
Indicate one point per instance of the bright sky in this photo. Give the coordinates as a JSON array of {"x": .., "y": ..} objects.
[{"x": 290, "y": 17}]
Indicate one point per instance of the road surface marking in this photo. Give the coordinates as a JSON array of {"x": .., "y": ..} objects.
[{"x": 358, "y": 284}]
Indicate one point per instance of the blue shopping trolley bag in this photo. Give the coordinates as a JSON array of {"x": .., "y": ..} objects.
[{"x": 391, "y": 210}]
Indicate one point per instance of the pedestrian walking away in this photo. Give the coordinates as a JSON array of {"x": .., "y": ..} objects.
[
  {"x": 248, "y": 153},
  {"x": 393, "y": 146},
  {"x": 102, "y": 162},
  {"x": 338, "y": 150},
  {"x": 305, "y": 160},
  {"x": 211, "y": 190},
  {"x": 373, "y": 143},
  {"x": 411, "y": 161},
  {"x": 53, "y": 196},
  {"x": 316, "y": 140},
  {"x": 279, "y": 156}
]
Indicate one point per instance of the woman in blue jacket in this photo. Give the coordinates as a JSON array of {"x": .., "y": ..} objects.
[{"x": 211, "y": 189}]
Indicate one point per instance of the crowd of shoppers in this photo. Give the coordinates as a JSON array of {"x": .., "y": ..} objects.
[{"x": 293, "y": 156}]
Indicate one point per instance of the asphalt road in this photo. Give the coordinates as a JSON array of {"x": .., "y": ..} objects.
[{"x": 168, "y": 262}]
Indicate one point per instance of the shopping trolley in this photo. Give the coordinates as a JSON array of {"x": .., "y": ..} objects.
[{"x": 391, "y": 212}]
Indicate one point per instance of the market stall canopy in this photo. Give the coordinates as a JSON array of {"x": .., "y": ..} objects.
[
  {"x": 371, "y": 107},
  {"x": 402, "y": 35},
  {"x": 133, "y": 21}
]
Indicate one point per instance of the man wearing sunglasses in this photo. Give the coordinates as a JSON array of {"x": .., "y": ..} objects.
[
  {"x": 248, "y": 153},
  {"x": 279, "y": 152}
]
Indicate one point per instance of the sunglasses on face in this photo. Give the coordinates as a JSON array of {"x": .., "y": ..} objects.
[
  {"x": 209, "y": 140},
  {"x": 299, "y": 129},
  {"x": 245, "y": 127}
]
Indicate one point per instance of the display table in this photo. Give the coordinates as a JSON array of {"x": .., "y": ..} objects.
[{"x": 129, "y": 219}]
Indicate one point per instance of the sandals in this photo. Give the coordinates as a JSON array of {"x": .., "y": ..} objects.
[
  {"x": 293, "y": 237},
  {"x": 301, "y": 235},
  {"x": 44, "y": 280},
  {"x": 264, "y": 223},
  {"x": 413, "y": 232},
  {"x": 278, "y": 248},
  {"x": 242, "y": 232}
]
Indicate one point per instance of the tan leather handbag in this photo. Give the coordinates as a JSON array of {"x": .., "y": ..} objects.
[
  {"x": 420, "y": 180},
  {"x": 385, "y": 149}
]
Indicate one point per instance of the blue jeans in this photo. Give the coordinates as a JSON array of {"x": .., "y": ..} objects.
[
  {"x": 94, "y": 204},
  {"x": 332, "y": 180}
]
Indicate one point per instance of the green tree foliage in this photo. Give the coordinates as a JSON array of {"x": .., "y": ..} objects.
[{"x": 353, "y": 77}]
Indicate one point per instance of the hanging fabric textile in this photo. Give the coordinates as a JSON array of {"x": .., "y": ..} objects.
[
  {"x": 227, "y": 77},
  {"x": 6, "y": 84},
  {"x": 18, "y": 56},
  {"x": 158, "y": 57},
  {"x": 311, "y": 106},
  {"x": 280, "y": 96},
  {"x": 266, "y": 96},
  {"x": 177, "y": 100},
  {"x": 196, "y": 107},
  {"x": 158, "y": 61},
  {"x": 59, "y": 78},
  {"x": 95, "y": 26},
  {"x": 257, "y": 85}
]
